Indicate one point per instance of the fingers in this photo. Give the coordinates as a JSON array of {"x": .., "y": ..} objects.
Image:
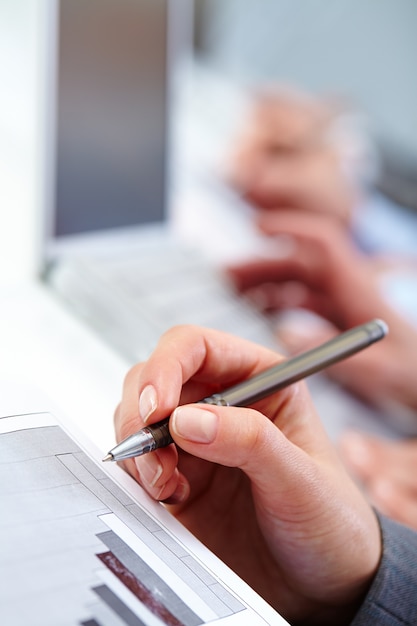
[
  {"x": 252, "y": 438},
  {"x": 292, "y": 486},
  {"x": 210, "y": 359},
  {"x": 311, "y": 332},
  {"x": 388, "y": 471},
  {"x": 232, "y": 437},
  {"x": 320, "y": 249},
  {"x": 188, "y": 364},
  {"x": 369, "y": 457},
  {"x": 243, "y": 438},
  {"x": 309, "y": 276},
  {"x": 235, "y": 437},
  {"x": 395, "y": 501},
  {"x": 261, "y": 272},
  {"x": 274, "y": 296},
  {"x": 305, "y": 227}
]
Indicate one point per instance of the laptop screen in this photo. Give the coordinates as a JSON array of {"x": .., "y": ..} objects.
[{"x": 110, "y": 118}]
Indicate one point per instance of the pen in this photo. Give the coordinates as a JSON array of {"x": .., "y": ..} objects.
[{"x": 260, "y": 386}]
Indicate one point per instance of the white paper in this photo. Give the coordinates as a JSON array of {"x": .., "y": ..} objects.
[{"x": 83, "y": 544}]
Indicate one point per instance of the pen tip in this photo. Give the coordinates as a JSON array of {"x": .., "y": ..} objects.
[{"x": 108, "y": 457}]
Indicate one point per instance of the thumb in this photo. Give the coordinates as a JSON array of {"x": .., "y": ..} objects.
[
  {"x": 243, "y": 438},
  {"x": 307, "y": 509}
]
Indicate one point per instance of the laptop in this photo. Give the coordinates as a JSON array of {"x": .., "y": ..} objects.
[{"x": 112, "y": 248}]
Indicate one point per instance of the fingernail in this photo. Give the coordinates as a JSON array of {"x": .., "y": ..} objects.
[
  {"x": 149, "y": 468},
  {"x": 147, "y": 402},
  {"x": 181, "y": 493},
  {"x": 195, "y": 424}
]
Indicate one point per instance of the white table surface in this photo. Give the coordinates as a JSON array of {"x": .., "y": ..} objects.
[{"x": 51, "y": 362}]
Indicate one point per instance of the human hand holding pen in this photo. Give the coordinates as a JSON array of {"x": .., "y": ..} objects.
[
  {"x": 251, "y": 390},
  {"x": 262, "y": 486}
]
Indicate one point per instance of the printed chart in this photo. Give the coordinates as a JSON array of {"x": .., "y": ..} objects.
[{"x": 77, "y": 549}]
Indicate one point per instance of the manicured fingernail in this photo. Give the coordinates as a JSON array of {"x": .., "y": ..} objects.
[
  {"x": 149, "y": 468},
  {"x": 195, "y": 424},
  {"x": 180, "y": 494},
  {"x": 147, "y": 402}
]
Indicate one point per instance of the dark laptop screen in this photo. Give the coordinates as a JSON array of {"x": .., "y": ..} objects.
[{"x": 111, "y": 114}]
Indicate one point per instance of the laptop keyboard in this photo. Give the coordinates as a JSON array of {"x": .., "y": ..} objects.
[{"x": 132, "y": 301}]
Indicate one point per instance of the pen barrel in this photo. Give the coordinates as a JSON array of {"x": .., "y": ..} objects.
[
  {"x": 299, "y": 367},
  {"x": 264, "y": 384}
]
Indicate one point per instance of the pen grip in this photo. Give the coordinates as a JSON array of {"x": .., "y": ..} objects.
[{"x": 160, "y": 433}]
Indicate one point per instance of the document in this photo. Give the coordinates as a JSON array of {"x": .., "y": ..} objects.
[{"x": 83, "y": 545}]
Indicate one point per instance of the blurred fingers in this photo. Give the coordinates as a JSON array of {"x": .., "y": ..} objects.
[
  {"x": 388, "y": 471},
  {"x": 370, "y": 458},
  {"x": 394, "y": 500},
  {"x": 301, "y": 332}
]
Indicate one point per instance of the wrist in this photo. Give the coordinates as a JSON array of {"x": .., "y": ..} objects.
[{"x": 342, "y": 615}]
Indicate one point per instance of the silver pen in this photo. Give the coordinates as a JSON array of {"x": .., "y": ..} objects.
[{"x": 260, "y": 386}]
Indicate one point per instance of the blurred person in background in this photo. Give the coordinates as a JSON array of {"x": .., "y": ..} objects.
[{"x": 299, "y": 161}]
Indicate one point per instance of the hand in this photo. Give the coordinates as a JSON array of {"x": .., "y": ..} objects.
[
  {"x": 325, "y": 273},
  {"x": 290, "y": 155},
  {"x": 387, "y": 471},
  {"x": 262, "y": 487}
]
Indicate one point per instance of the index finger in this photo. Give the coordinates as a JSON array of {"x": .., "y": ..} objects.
[{"x": 210, "y": 359}]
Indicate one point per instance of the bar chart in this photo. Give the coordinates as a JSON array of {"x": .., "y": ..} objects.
[{"x": 79, "y": 550}]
